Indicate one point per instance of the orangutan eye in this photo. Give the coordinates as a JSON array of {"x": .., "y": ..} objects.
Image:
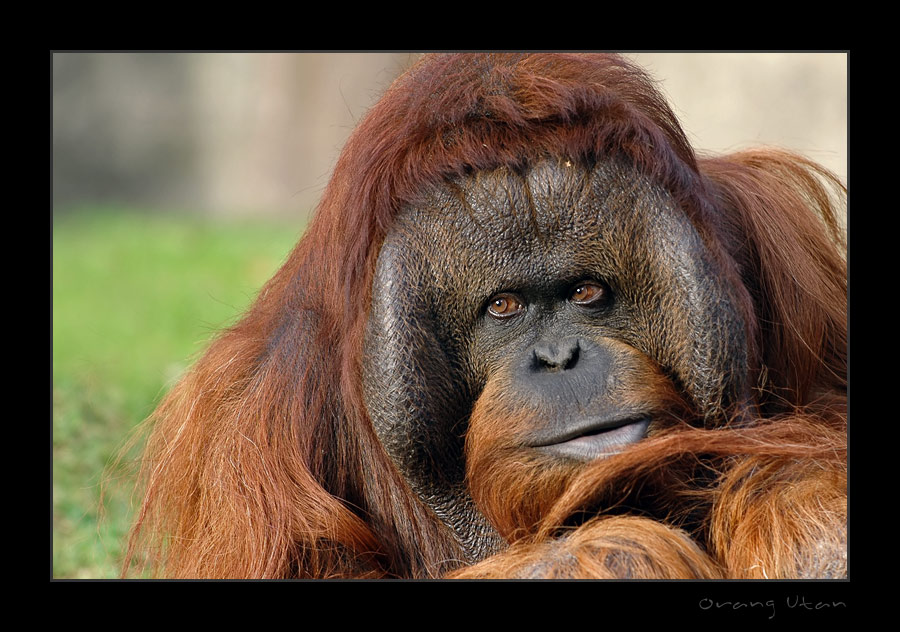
[
  {"x": 589, "y": 294},
  {"x": 505, "y": 306}
]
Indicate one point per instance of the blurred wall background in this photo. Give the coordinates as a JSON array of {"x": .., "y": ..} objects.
[{"x": 258, "y": 133}]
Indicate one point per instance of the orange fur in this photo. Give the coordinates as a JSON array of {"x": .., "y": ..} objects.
[
  {"x": 263, "y": 463},
  {"x": 766, "y": 501},
  {"x": 621, "y": 547}
]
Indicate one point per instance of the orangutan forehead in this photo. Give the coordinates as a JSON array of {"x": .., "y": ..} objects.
[
  {"x": 558, "y": 216},
  {"x": 550, "y": 201}
]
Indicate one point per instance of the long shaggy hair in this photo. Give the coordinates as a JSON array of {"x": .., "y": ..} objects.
[{"x": 263, "y": 463}]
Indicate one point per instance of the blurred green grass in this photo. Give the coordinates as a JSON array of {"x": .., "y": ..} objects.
[{"x": 135, "y": 298}]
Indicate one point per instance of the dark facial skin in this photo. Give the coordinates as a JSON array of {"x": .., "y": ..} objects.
[{"x": 572, "y": 285}]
